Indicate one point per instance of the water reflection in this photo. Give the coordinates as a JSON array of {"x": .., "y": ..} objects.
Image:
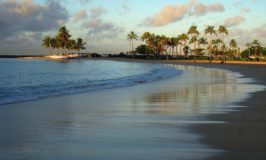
[{"x": 198, "y": 91}]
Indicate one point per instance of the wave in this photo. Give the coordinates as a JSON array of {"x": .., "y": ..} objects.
[{"x": 16, "y": 94}]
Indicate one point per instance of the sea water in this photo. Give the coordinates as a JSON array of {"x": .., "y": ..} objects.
[{"x": 33, "y": 79}]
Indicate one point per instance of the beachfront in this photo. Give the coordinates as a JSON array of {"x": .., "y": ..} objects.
[
  {"x": 205, "y": 111},
  {"x": 132, "y": 80}
]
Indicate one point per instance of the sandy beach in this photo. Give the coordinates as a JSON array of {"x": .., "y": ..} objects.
[
  {"x": 194, "y": 116},
  {"x": 243, "y": 134}
]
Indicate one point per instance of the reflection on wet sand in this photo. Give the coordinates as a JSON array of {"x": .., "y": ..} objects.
[{"x": 202, "y": 91}]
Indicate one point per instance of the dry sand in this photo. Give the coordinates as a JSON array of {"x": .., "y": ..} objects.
[{"x": 243, "y": 136}]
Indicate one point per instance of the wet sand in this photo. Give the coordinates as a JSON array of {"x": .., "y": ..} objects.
[
  {"x": 168, "y": 119},
  {"x": 243, "y": 134}
]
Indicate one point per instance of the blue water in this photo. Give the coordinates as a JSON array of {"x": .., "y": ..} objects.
[{"x": 32, "y": 79}]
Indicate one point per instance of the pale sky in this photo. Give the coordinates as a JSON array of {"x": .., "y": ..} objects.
[{"x": 104, "y": 24}]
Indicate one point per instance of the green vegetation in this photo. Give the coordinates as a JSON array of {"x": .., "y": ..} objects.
[
  {"x": 254, "y": 51},
  {"x": 62, "y": 41},
  {"x": 210, "y": 44},
  {"x": 131, "y": 37}
]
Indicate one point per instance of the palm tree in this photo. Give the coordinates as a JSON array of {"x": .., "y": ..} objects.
[
  {"x": 71, "y": 45},
  {"x": 186, "y": 50},
  {"x": 256, "y": 45},
  {"x": 210, "y": 30},
  {"x": 151, "y": 43},
  {"x": 163, "y": 43},
  {"x": 63, "y": 37},
  {"x": 174, "y": 43},
  {"x": 202, "y": 41},
  {"x": 194, "y": 41},
  {"x": 233, "y": 44},
  {"x": 80, "y": 45},
  {"x": 218, "y": 42},
  {"x": 223, "y": 30},
  {"x": 131, "y": 37},
  {"x": 58, "y": 44},
  {"x": 54, "y": 44},
  {"x": 183, "y": 37},
  {"x": 214, "y": 47},
  {"x": 194, "y": 36},
  {"x": 178, "y": 43},
  {"x": 47, "y": 43},
  {"x": 223, "y": 48},
  {"x": 171, "y": 43},
  {"x": 249, "y": 45},
  {"x": 145, "y": 37},
  {"x": 157, "y": 44}
]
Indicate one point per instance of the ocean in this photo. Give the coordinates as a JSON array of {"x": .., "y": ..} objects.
[{"x": 33, "y": 79}]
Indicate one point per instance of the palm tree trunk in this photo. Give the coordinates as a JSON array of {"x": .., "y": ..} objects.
[
  {"x": 210, "y": 49},
  {"x": 195, "y": 52},
  {"x": 50, "y": 50},
  {"x": 132, "y": 46},
  {"x": 223, "y": 54},
  {"x": 173, "y": 49},
  {"x": 180, "y": 49},
  {"x": 249, "y": 53},
  {"x": 176, "y": 50},
  {"x": 166, "y": 54}
]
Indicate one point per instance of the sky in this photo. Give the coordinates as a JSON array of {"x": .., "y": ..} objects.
[{"x": 104, "y": 24}]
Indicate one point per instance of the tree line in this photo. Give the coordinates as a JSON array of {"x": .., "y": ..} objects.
[
  {"x": 210, "y": 43},
  {"x": 62, "y": 43}
]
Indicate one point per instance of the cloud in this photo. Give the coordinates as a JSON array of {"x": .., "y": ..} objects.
[
  {"x": 234, "y": 21},
  {"x": 17, "y": 17},
  {"x": 97, "y": 28},
  {"x": 246, "y": 35},
  {"x": 244, "y": 10},
  {"x": 80, "y": 15},
  {"x": 84, "y": 1},
  {"x": 173, "y": 13},
  {"x": 22, "y": 42},
  {"x": 168, "y": 14},
  {"x": 202, "y": 9},
  {"x": 97, "y": 12},
  {"x": 238, "y": 3},
  {"x": 124, "y": 9},
  {"x": 260, "y": 31}
]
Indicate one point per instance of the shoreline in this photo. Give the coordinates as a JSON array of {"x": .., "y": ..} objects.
[
  {"x": 235, "y": 62},
  {"x": 243, "y": 134},
  {"x": 146, "y": 121}
]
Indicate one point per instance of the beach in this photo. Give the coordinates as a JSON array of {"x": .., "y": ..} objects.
[
  {"x": 243, "y": 134},
  {"x": 210, "y": 112}
]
